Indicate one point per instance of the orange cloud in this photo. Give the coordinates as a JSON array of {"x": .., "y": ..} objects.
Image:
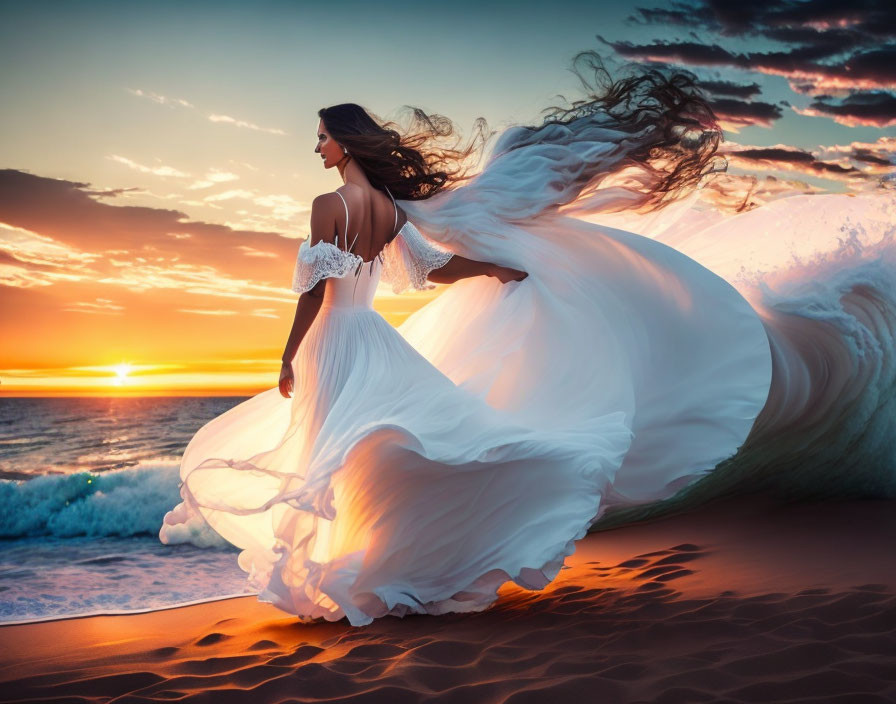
[{"x": 89, "y": 285}]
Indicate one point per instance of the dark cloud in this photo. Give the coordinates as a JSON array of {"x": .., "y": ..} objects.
[
  {"x": 868, "y": 157},
  {"x": 878, "y": 64},
  {"x": 791, "y": 156},
  {"x": 733, "y": 104},
  {"x": 678, "y": 52},
  {"x": 66, "y": 212},
  {"x": 743, "y": 113},
  {"x": 873, "y": 108},
  {"x": 852, "y": 22},
  {"x": 828, "y": 45},
  {"x": 862, "y": 165},
  {"x": 861, "y": 71},
  {"x": 872, "y": 158},
  {"x": 735, "y": 90}
]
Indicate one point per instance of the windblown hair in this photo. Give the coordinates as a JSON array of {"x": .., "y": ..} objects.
[
  {"x": 411, "y": 161},
  {"x": 663, "y": 131},
  {"x": 667, "y": 131}
]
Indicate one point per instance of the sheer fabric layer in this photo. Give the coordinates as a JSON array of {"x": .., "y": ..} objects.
[
  {"x": 410, "y": 258},
  {"x": 382, "y": 487},
  {"x": 607, "y": 321}
]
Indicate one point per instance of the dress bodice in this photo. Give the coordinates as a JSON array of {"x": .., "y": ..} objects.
[{"x": 356, "y": 288}]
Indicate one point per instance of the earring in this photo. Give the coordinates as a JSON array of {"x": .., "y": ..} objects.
[{"x": 344, "y": 150}]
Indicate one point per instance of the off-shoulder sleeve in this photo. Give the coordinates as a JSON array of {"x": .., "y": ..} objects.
[
  {"x": 408, "y": 259},
  {"x": 321, "y": 260}
]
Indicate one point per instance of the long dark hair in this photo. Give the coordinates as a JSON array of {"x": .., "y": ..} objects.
[
  {"x": 670, "y": 131},
  {"x": 412, "y": 161},
  {"x": 670, "y": 134}
]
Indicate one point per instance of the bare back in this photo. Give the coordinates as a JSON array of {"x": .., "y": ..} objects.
[{"x": 371, "y": 220}]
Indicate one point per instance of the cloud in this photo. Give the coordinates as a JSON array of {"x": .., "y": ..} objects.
[
  {"x": 26, "y": 247},
  {"x": 252, "y": 252},
  {"x": 207, "y": 312},
  {"x": 103, "y": 306},
  {"x": 826, "y": 48},
  {"x": 791, "y": 158},
  {"x": 862, "y": 71},
  {"x": 154, "y": 170},
  {"x": 866, "y": 70},
  {"x": 872, "y": 109},
  {"x": 871, "y": 157},
  {"x": 861, "y": 165},
  {"x": 160, "y": 99},
  {"x": 734, "y": 113},
  {"x": 245, "y": 124},
  {"x": 694, "y": 53},
  {"x": 229, "y": 195},
  {"x": 213, "y": 117},
  {"x": 848, "y": 23},
  {"x": 283, "y": 206},
  {"x": 213, "y": 177},
  {"x": 265, "y": 313},
  {"x": 732, "y": 102},
  {"x": 56, "y": 232},
  {"x": 729, "y": 88}
]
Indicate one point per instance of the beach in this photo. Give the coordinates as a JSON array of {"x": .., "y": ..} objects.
[{"x": 745, "y": 600}]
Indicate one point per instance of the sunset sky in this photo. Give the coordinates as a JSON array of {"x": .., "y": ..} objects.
[{"x": 157, "y": 165}]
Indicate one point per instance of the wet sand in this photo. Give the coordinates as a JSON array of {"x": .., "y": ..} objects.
[{"x": 739, "y": 601}]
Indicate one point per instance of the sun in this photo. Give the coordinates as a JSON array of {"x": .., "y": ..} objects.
[{"x": 121, "y": 373}]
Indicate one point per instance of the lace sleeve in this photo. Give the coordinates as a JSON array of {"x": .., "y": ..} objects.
[
  {"x": 320, "y": 261},
  {"x": 409, "y": 258}
]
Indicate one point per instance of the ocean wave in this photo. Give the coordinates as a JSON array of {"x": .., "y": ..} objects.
[
  {"x": 828, "y": 304},
  {"x": 123, "y": 503}
]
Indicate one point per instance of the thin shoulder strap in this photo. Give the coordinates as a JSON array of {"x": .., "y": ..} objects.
[
  {"x": 345, "y": 236},
  {"x": 395, "y": 205}
]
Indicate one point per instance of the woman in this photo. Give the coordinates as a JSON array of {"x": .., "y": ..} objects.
[
  {"x": 566, "y": 370},
  {"x": 444, "y": 267}
]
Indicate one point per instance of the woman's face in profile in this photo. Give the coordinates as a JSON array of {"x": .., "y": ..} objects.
[{"x": 330, "y": 151}]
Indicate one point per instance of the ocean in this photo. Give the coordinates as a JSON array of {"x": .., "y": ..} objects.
[{"x": 85, "y": 483}]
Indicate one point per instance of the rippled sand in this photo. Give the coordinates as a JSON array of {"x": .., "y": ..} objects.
[{"x": 738, "y": 602}]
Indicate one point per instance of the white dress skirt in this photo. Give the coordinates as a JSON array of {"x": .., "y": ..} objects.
[
  {"x": 417, "y": 469},
  {"x": 382, "y": 487}
]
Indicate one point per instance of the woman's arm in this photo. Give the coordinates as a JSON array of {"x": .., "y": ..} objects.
[
  {"x": 306, "y": 311},
  {"x": 323, "y": 221},
  {"x": 459, "y": 267}
]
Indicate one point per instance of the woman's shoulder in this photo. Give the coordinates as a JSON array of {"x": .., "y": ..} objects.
[
  {"x": 324, "y": 210},
  {"x": 328, "y": 204},
  {"x": 327, "y": 201}
]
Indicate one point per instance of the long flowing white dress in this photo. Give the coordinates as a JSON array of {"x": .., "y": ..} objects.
[
  {"x": 417, "y": 469},
  {"x": 386, "y": 488}
]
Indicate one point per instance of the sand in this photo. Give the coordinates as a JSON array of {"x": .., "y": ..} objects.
[{"x": 744, "y": 601}]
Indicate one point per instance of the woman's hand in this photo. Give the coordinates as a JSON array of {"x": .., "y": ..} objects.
[
  {"x": 287, "y": 381},
  {"x": 505, "y": 274}
]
